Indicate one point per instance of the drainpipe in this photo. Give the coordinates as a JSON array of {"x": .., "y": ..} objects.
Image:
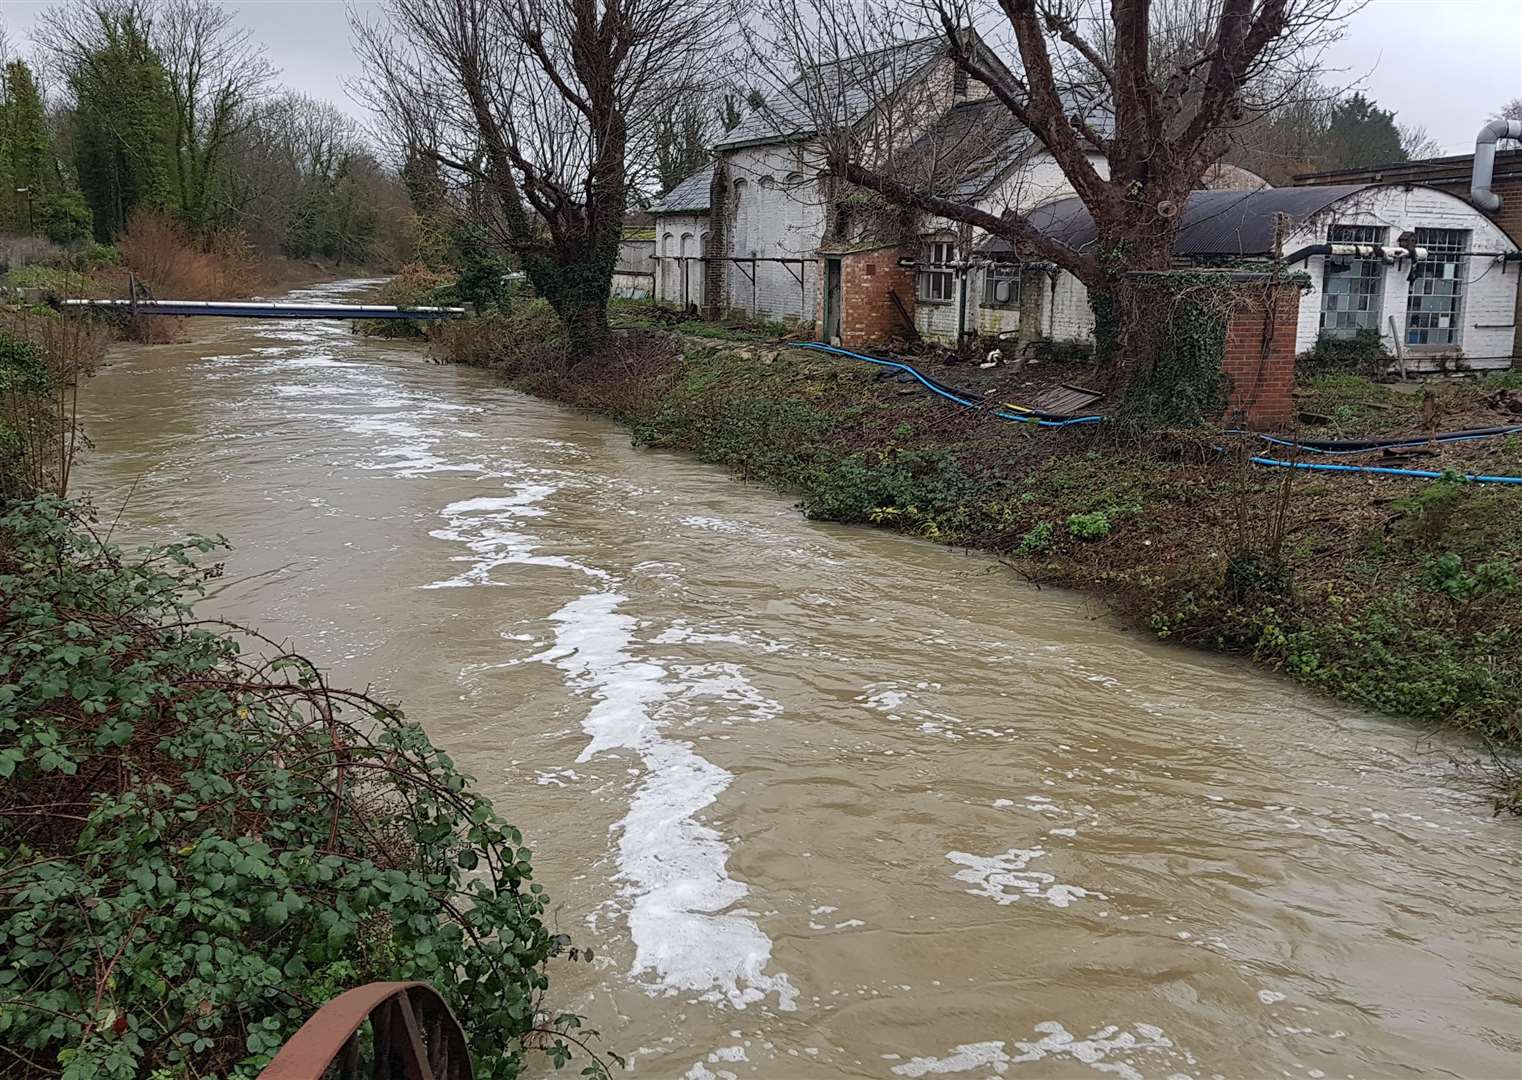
[{"x": 1485, "y": 162}]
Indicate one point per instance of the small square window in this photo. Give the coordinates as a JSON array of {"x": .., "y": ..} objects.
[
  {"x": 937, "y": 278},
  {"x": 1001, "y": 285}
]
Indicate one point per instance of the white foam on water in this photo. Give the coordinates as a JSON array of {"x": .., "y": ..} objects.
[
  {"x": 1005, "y": 879},
  {"x": 487, "y": 526},
  {"x": 674, "y": 867},
  {"x": 1111, "y": 1049}
]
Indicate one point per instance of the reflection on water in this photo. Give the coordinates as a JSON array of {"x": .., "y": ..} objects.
[{"x": 828, "y": 802}]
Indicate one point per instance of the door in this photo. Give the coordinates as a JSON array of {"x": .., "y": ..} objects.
[{"x": 832, "y": 301}]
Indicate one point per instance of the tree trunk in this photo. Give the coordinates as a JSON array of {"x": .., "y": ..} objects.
[
  {"x": 1119, "y": 309},
  {"x": 577, "y": 286},
  {"x": 586, "y": 326}
]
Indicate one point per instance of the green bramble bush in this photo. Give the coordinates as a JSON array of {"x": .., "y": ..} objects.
[{"x": 198, "y": 847}]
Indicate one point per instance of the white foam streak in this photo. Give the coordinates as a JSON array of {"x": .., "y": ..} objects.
[
  {"x": 1005, "y": 879},
  {"x": 674, "y": 866},
  {"x": 1095, "y": 1051}
]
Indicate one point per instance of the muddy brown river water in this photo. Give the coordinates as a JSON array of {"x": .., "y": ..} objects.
[{"x": 828, "y": 802}]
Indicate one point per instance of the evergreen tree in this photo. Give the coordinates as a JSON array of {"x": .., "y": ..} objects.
[
  {"x": 24, "y": 146},
  {"x": 125, "y": 120},
  {"x": 1359, "y": 133}
]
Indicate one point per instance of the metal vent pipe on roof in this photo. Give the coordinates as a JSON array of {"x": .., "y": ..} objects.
[{"x": 1485, "y": 162}]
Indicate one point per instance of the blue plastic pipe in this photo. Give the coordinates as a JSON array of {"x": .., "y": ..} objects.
[
  {"x": 1381, "y": 470},
  {"x": 1377, "y": 470},
  {"x": 1405, "y": 445},
  {"x": 819, "y": 346}
]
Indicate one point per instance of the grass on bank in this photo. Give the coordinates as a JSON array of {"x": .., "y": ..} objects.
[{"x": 1399, "y": 595}]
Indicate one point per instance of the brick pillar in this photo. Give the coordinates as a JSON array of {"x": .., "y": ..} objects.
[
  {"x": 1259, "y": 358},
  {"x": 868, "y": 315},
  {"x": 720, "y": 239}
]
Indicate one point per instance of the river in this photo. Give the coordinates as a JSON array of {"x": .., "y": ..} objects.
[{"x": 827, "y": 801}]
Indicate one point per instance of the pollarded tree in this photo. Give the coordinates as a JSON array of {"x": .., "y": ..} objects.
[
  {"x": 1171, "y": 80},
  {"x": 541, "y": 105}
]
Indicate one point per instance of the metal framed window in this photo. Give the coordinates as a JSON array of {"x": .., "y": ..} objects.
[
  {"x": 1437, "y": 288},
  {"x": 1351, "y": 288},
  {"x": 1001, "y": 285},
  {"x": 936, "y": 282}
]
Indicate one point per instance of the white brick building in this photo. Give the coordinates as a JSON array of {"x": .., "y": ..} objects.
[{"x": 1451, "y": 306}]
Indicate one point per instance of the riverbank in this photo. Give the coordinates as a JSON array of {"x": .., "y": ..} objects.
[
  {"x": 348, "y": 851},
  {"x": 1396, "y": 594}
]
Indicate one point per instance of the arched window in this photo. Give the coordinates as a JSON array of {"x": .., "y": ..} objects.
[
  {"x": 767, "y": 182},
  {"x": 794, "y": 178},
  {"x": 686, "y": 244},
  {"x": 667, "y": 244}
]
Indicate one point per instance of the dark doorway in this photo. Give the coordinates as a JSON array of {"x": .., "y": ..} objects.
[{"x": 832, "y": 301}]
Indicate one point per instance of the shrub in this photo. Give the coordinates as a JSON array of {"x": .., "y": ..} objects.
[
  {"x": 1426, "y": 513},
  {"x": 1364, "y": 353},
  {"x": 413, "y": 286},
  {"x": 42, "y": 357},
  {"x": 1037, "y": 540},
  {"x": 925, "y": 488},
  {"x": 523, "y": 338},
  {"x": 166, "y": 260},
  {"x": 211, "y": 845},
  {"x": 1094, "y": 525},
  {"x": 96, "y": 256},
  {"x": 66, "y": 218},
  {"x": 24, "y": 251}
]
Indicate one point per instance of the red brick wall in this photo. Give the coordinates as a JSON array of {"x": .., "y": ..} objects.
[
  {"x": 867, "y": 313},
  {"x": 1260, "y": 357}
]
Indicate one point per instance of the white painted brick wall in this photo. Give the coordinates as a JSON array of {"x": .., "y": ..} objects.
[
  {"x": 775, "y": 217},
  {"x": 670, "y": 229},
  {"x": 1488, "y": 304}
]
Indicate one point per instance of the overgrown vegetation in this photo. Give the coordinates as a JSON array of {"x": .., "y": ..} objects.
[
  {"x": 1397, "y": 596},
  {"x": 198, "y": 846},
  {"x": 1362, "y": 354},
  {"x": 42, "y": 358}
]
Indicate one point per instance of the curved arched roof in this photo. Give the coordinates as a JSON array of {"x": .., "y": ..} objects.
[{"x": 1223, "y": 223}]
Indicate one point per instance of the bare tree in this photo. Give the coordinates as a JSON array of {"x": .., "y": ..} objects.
[
  {"x": 1417, "y": 143},
  {"x": 1512, "y": 110},
  {"x": 1133, "y": 99},
  {"x": 543, "y": 103},
  {"x": 216, "y": 75}
]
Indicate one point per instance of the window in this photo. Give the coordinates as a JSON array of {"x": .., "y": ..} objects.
[
  {"x": 1351, "y": 287},
  {"x": 1001, "y": 285},
  {"x": 1437, "y": 288},
  {"x": 936, "y": 279}
]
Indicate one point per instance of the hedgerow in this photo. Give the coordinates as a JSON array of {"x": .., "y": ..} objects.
[{"x": 199, "y": 847}]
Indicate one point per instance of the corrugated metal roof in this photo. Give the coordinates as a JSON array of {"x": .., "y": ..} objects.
[
  {"x": 1225, "y": 223},
  {"x": 688, "y": 197},
  {"x": 848, "y": 88}
]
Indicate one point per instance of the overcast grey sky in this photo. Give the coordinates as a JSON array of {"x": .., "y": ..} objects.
[{"x": 1443, "y": 64}]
